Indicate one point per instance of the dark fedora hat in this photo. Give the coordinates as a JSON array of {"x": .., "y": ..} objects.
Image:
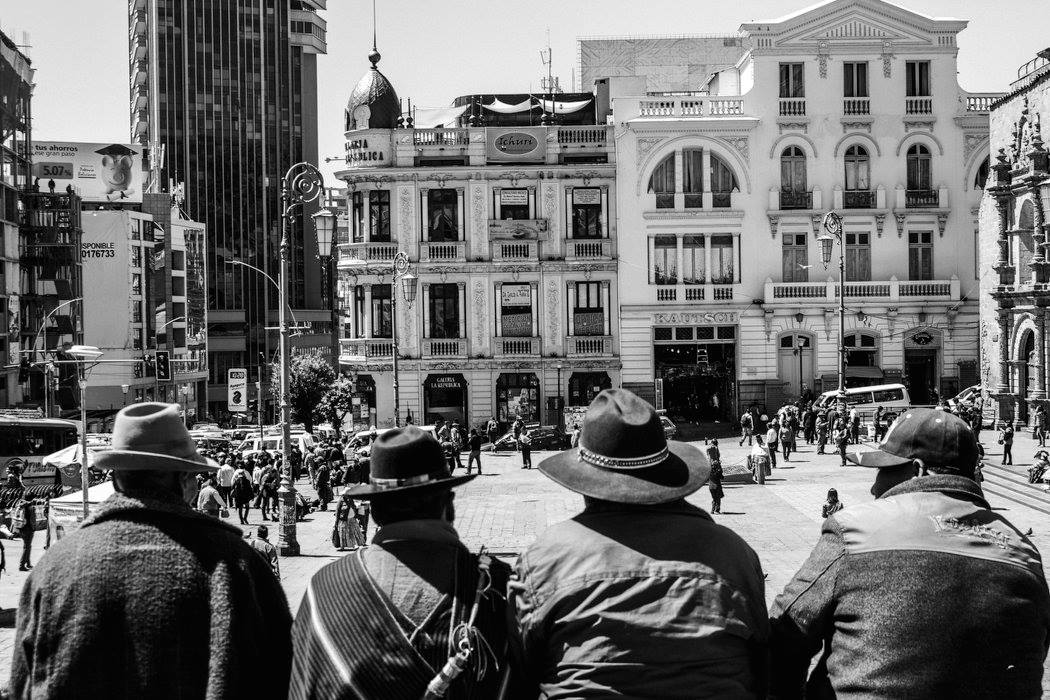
[
  {"x": 624, "y": 457},
  {"x": 406, "y": 460}
]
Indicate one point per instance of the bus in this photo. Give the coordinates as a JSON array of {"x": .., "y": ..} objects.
[{"x": 25, "y": 439}]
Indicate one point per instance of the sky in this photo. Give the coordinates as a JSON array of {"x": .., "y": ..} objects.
[{"x": 434, "y": 51}]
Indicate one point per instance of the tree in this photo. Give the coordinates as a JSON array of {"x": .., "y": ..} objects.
[
  {"x": 309, "y": 379},
  {"x": 339, "y": 403}
]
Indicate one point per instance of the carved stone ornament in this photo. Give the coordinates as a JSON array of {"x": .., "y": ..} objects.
[
  {"x": 880, "y": 219},
  {"x": 479, "y": 224},
  {"x": 829, "y": 319},
  {"x": 740, "y": 144},
  {"x": 552, "y": 312},
  {"x": 645, "y": 145},
  {"x": 480, "y": 317},
  {"x": 822, "y": 59},
  {"x": 406, "y": 213},
  {"x": 767, "y": 321},
  {"x": 773, "y": 222},
  {"x": 785, "y": 127},
  {"x": 942, "y": 221},
  {"x": 971, "y": 143},
  {"x": 1025, "y": 131},
  {"x": 550, "y": 210},
  {"x": 901, "y": 219},
  {"x": 815, "y": 219},
  {"x": 856, "y": 126},
  {"x": 887, "y": 59}
]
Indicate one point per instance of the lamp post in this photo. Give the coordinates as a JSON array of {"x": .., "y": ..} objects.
[
  {"x": 409, "y": 283},
  {"x": 831, "y": 231},
  {"x": 557, "y": 366},
  {"x": 324, "y": 225},
  {"x": 801, "y": 343},
  {"x": 84, "y": 354}
]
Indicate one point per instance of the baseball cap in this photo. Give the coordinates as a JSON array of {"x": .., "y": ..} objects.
[{"x": 937, "y": 438}]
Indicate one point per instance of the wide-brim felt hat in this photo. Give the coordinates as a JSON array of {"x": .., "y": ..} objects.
[
  {"x": 152, "y": 437},
  {"x": 406, "y": 461},
  {"x": 624, "y": 457}
]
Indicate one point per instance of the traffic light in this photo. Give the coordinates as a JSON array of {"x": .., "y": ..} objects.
[{"x": 163, "y": 368}]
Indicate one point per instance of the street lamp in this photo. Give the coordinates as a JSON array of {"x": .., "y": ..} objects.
[
  {"x": 409, "y": 284},
  {"x": 324, "y": 225},
  {"x": 831, "y": 231},
  {"x": 801, "y": 342},
  {"x": 83, "y": 355},
  {"x": 557, "y": 366}
]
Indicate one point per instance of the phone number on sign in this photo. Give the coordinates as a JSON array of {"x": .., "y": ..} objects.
[{"x": 91, "y": 253}]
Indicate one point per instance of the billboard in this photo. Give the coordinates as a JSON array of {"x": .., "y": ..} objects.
[
  {"x": 523, "y": 144},
  {"x": 98, "y": 172},
  {"x": 237, "y": 390}
]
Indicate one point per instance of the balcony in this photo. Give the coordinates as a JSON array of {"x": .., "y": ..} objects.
[
  {"x": 589, "y": 346},
  {"x": 138, "y": 97},
  {"x": 588, "y": 248},
  {"x": 361, "y": 349},
  {"x": 508, "y": 251},
  {"x": 364, "y": 253},
  {"x": 446, "y": 251},
  {"x": 139, "y": 71},
  {"x": 138, "y": 48},
  {"x": 137, "y": 21},
  {"x": 858, "y": 199},
  {"x": 921, "y": 199},
  {"x": 692, "y": 107},
  {"x": 796, "y": 200},
  {"x": 892, "y": 290},
  {"x": 792, "y": 106},
  {"x": 918, "y": 105},
  {"x": 856, "y": 106},
  {"x": 981, "y": 101},
  {"x": 445, "y": 347},
  {"x": 440, "y": 137},
  {"x": 516, "y": 347}
]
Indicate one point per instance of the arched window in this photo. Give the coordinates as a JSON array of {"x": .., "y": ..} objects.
[
  {"x": 858, "y": 168},
  {"x": 793, "y": 194},
  {"x": 723, "y": 181},
  {"x": 861, "y": 350},
  {"x": 982, "y": 174},
  {"x": 661, "y": 182},
  {"x": 919, "y": 175}
]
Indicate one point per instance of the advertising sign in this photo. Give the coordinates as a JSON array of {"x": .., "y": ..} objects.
[
  {"x": 237, "y": 390},
  {"x": 525, "y": 144},
  {"x": 521, "y": 229},
  {"x": 98, "y": 172},
  {"x": 516, "y": 295},
  {"x": 510, "y": 198},
  {"x": 586, "y": 195},
  {"x": 368, "y": 152},
  {"x": 111, "y": 278}
]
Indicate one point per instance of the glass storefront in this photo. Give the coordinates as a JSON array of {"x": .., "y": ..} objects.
[
  {"x": 698, "y": 367},
  {"x": 517, "y": 395},
  {"x": 445, "y": 397}
]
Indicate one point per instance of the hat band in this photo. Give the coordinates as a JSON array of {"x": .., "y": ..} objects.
[
  {"x": 174, "y": 447},
  {"x": 384, "y": 484},
  {"x": 598, "y": 460}
]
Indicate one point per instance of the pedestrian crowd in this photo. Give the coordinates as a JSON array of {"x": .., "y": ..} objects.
[{"x": 922, "y": 592}]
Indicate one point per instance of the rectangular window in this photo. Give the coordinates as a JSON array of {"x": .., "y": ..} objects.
[
  {"x": 357, "y": 217},
  {"x": 858, "y": 257},
  {"x": 359, "y": 310},
  {"x": 693, "y": 271},
  {"x": 514, "y": 203},
  {"x": 917, "y": 75},
  {"x": 664, "y": 264},
  {"x": 136, "y": 256},
  {"x": 136, "y": 283},
  {"x": 722, "y": 264},
  {"x": 379, "y": 215},
  {"x": 791, "y": 80},
  {"x": 587, "y": 312},
  {"x": 586, "y": 212},
  {"x": 796, "y": 257},
  {"x": 920, "y": 255},
  {"x": 443, "y": 206},
  {"x": 516, "y": 310},
  {"x": 693, "y": 177},
  {"x": 444, "y": 310},
  {"x": 855, "y": 77},
  {"x": 381, "y": 318}
]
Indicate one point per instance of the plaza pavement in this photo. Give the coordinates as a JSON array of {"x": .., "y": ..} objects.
[{"x": 507, "y": 507}]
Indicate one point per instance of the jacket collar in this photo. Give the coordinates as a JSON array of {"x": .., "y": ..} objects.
[
  {"x": 423, "y": 530},
  {"x": 948, "y": 484},
  {"x": 128, "y": 505},
  {"x": 680, "y": 506}
]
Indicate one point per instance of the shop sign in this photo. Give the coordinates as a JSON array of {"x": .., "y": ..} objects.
[
  {"x": 586, "y": 195},
  {"x": 516, "y": 145},
  {"x": 684, "y": 318},
  {"x": 446, "y": 381},
  {"x": 511, "y": 198},
  {"x": 516, "y": 295},
  {"x": 368, "y": 152},
  {"x": 521, "y": 229}
]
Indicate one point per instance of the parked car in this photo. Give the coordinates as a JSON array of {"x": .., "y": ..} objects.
[
  {"x": 670, "y": 429},
  {"x": 206, "y": 427},
  {"x": 366, "y": 445},
  {"x": 207, "y": 440},
  {"x": 274, "y": 445},
  {"x": 544, "y": 437}
]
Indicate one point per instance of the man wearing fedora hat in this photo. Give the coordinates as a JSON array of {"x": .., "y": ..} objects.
[
  {"x": 148, "y": 598},
  {"x": 925, "y": 592},
  {"x": 641, "y": 594},
  {"x": 413, "y": 611}
]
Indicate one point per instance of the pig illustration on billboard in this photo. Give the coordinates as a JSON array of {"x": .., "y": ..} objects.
[{"x": 115, "y": 173}]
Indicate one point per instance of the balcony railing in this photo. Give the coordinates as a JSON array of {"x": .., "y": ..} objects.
[
  {"x": 666, "y": 294},
  {"x": 852, "y": 106},
  {"x": 588, "y": 248},
  {"x": 440, "y": 137},
  {"x": 588, "y": 345},
  {"x": 445, "y": 347},
  {"x": 981, "y": 102},
  {"x": 360, "y": 253},
  {"x": 792, "y": 106},
  {"x": 858, "y": 199},
  {"x": 796, "y": 200},
  {"x": 917, "y": 199},
  {"x": 515, "y": 250},
  {"x": 450, "y": 250},
  {"x": 582, "y": 135},
  {"x": 351, "y": 348},
  {"x": 692, "y": 107},
  {"x": 890, "y": 290},
  {"x": 516, "y": 347},
  {"x": 918, "y": 105}
]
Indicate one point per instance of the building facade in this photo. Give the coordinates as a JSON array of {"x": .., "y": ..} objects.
[
  {"x": 511, "y": 231},
  {"x": 1013, "y": 226},
  {"x": 852, "y": 106},
  {"x": 224, "y": 135},
  {"x": 16, "y": 91}
]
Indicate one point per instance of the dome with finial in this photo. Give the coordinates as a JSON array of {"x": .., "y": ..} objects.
[{"x": 375, "y": 93}]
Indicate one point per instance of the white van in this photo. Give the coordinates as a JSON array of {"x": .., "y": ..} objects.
[
  {"x": 273, "y": 444},
  {"x": 893, "y": 398}
]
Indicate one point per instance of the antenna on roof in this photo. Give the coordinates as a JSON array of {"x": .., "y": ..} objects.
[{"x": 373, "y": 25}]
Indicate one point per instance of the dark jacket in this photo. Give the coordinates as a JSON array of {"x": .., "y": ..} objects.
[
  {"x": 149, "y": 599},
  {"x": 923, "y": 593},
  {"x": 607, "y": 607}
]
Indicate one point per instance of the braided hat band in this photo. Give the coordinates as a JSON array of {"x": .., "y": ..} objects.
[{"x": 599, "y": 460}]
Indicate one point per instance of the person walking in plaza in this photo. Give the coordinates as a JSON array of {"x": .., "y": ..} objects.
[
  {"x": 25, "y": 527},
  {"x": 787, "y": 440},
  {"x": 209, "y": 501},
  {"x": 242, "y": 494},
  {"x": 525, "y": 446},
  {"x": 323, "y": 485},
  {"x": 641, "y": 594},
  {"x": 382, "y": 623},
  {"x": 747, "y": 426},
  {"x": 809, "y": 421},
  {"x": 347, "y": 531},
  {"x": 841, "y": 437},
  {"x": 1039, "y": 424},
  {"x": 876, "y": 423},
  {"x": 456, "y": 438},
  {"x": 149, "y": 598},
  {"x": 714, "y": 482},
  {"x": 772, "y": 440},
  {"x": 261, "y": 544},
  {"x": 492, "y": 430},
  {"x": 474, "y": 445},
  {"x": 822, "y": 432},
  {"x": 832, "y": 505},
  {"x": 1006, "y": 439},
  {"x": 863, "y": 598},
  {"x": 224, "y": 481},
  {"x": 760, "y": 460}
]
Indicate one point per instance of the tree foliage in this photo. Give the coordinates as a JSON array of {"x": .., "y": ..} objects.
[
  {"x": 339, "y": 402},
  {"x": 309, "y": 379}
]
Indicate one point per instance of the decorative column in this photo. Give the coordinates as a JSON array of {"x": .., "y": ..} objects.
[
  {"x": 1039, "y": 263},
  {"x": 533, "y": 287},
  {"x": 570, "y": 298},
  {"x": 461, "y": 215},
  {"x": 606, "y": 308},
  {"x": 1003, "y": 199},
  {"x": 1040, "y": 354},
  {"x": 426, "y": 309},
  {"x": 499, "y": 309},
  {"x": 1003, "y": 387},
  {"x": 532, "y": 201},
  {"x": 366, "y": 204},
  {"x": 424, "y": 213},
  {"x": 462, "y": 309},
  {"x": 368, "y": 311},
  {"x": 605, "y": 212}
]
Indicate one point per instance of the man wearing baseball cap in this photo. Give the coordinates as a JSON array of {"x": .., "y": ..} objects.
[{"x": 924, "y": 592}]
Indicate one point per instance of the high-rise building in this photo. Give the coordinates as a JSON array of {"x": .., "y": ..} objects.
[{"x": 225, "y": 97}]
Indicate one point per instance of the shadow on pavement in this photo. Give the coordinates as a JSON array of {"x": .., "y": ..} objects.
[{"x": 7, "y": 618}]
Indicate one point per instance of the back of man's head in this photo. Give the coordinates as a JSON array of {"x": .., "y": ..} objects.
[
  {"x": 263, "y": 532},
  {"x": 399, "y": 507}
]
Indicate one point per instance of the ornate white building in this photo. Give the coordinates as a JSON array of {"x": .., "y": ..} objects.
[{"x": 851, "y": 106}]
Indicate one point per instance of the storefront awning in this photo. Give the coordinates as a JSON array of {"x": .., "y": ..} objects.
[
  {"x": 504, "y": 108},
  {"x": 553, "y": 106}
]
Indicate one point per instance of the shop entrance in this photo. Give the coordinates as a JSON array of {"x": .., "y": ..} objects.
[
  {"x": 698, "y": 369},
  {"x": 517, "y": 395},
  {"x": 584, "y": 386},
  {"x": 920, "y": 365},
  {"x": 445, "y": 397}
]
